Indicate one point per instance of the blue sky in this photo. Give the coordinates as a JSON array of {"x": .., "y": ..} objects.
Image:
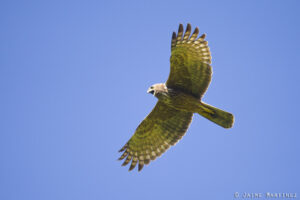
[{"x": 73, "y": 80}]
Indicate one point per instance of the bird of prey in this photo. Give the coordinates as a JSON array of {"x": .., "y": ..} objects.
[{"x": 178, "y": 99}]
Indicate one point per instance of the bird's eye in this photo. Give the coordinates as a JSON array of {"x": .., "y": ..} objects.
[{"x": 151, "y": 87}]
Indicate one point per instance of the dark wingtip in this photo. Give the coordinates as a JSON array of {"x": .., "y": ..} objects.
[
  {"x": 173, "y": 36},
  {"x": 140, "y": 167},
  {"x": 125, "y": 163},
  {"x": 131, "y": 168},
  {"x": 188, "y": 27},
  {"x": 196, "y": 31},
  {"x": 203, "y": 36},
  {"x": 123, "y": 148},
  {"x": 121, "y": 157},
  {"x": 127, "y": 160},
  {"x": 180, "y": 29}
]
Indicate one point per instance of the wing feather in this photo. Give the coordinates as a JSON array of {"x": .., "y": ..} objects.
[
  {"x": 180, "y": 33},
  {"x": 194, "y": 35},
  {"x": 163, "y": 127},
  {"x": 187, "y": 33},
  {"x": 190, "y": 62}
]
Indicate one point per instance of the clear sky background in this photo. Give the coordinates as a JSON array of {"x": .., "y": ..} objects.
[{"x": 73, "y": 81}]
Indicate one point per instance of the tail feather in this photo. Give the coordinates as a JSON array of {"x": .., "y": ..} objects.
[{"x": 218, "y": 116}]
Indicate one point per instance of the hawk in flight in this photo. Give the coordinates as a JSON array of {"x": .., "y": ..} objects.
[{"x": 178, "y": 99}]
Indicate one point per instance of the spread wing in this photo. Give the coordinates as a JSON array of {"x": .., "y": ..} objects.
[
  {"x": 190, "y": 62},
  {"x": 163, "y": 127}
]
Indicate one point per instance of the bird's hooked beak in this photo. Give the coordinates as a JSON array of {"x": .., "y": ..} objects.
[{"x": 150, "y": 90}]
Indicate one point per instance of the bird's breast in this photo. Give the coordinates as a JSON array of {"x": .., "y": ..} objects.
[{"x": 180, "y": 101}]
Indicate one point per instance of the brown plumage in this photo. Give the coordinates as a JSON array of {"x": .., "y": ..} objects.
[{"x": 178, "y": 99}]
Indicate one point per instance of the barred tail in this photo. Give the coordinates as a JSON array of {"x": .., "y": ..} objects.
[{"x": 216, "y": 115}]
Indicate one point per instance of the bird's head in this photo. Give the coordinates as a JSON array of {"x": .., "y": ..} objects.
[{"x": 157, "y": 89}]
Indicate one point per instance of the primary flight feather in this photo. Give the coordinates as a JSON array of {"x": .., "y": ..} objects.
[{"x": 178, "y": 99}]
